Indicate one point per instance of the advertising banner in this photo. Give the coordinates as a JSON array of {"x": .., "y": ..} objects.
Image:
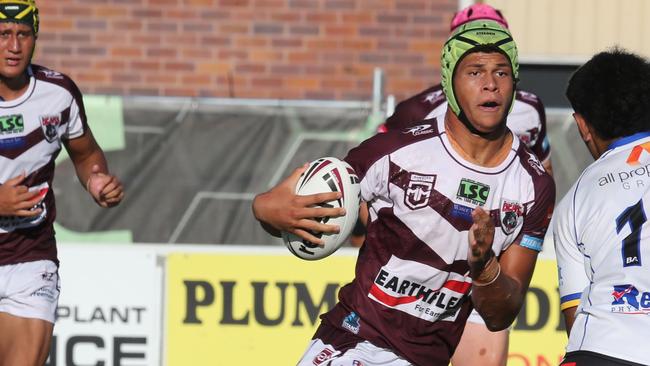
[
  {"x": 110, "y": 307},
  {"x": 262, "y": 309}
]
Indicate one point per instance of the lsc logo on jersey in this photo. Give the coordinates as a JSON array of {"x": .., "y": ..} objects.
[
  {"x": 629, "y": 300},
  {"x": 11, "y": 124},
  {"x": 419, "y": 190},
  {"x": 50, "y": 125},
  {"x": 419, "y": 130},
  {"x": 473, "y": 192}
]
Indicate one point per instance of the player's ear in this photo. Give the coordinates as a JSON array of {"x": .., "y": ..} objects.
[{"x": 583, "y": 128}]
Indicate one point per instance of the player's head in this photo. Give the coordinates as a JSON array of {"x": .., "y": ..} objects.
[
  {"x": 477, "y": 12},
  {"x": 477, "y": 37},
  {"x": 20, "y": 11},
  {"x": 612, "y": 93}
]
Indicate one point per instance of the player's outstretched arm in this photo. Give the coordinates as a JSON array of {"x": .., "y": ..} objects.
[
  {"x": 499, "y": 285},
  {"x": 92, "y": 170},
  {"x": 281, "y": 209}
]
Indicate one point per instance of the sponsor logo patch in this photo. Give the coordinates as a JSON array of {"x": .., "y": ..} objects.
[
  {"x": 419, "y": 190},
  {"x": 351, "y": 323},
  {"x": 473, "y": 192},
  {"x": 532, "y": 242},
  {"x": 627, "y": 299},
  {"x": 50, "y": 125},
  {"x": 12, "y": 124},
  {"x": 418, "y": 130},
  {"x": 12, "y": 143}
]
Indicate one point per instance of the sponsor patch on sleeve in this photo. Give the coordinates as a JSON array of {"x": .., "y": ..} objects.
[{"x": 532, "y": 242}]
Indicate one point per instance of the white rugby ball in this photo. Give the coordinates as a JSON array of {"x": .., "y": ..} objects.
[{"x": 322, "y": 176}]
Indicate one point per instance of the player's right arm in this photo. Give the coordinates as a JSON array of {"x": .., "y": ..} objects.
[
  {"x": 281, "y": 209},
  {"x": 17, "y": 200},
  {"x": 570, "y": 260}
]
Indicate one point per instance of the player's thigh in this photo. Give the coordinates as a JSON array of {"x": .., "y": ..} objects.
[
  {"x": 24, "y": 341},
  {"x": 479, "y": 346}
]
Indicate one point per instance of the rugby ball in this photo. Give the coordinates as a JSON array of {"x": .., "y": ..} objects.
[{"x": 322, "y": 176}]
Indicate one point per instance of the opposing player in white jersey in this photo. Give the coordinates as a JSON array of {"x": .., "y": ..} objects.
[
  {"x": 456, "y": 219},
  {"x": 601, "y": 231},
  {"x": 40, "y": 111}
]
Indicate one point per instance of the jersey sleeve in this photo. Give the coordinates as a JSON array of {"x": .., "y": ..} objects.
[
  {"x": 571, "y": 274},
  {"x": 77, "y": 120},
  {"x": 372, "y": 171},
  {"x": 538, "y": 214}
]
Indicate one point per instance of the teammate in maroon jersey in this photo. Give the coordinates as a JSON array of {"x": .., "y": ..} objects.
[
  {"x": 40, "y": 110},
  {"x": 458, "y": 211}
]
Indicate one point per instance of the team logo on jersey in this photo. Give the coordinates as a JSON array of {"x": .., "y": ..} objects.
[
  {"x": 51, "y": 74},
  {"x": 419, "y": 190},
  {"x": 418, "y": 130},
  {"x": 351, "y": 323},
  {"x": 50, "y": 125},
  {"x": 635, "y": 155},
  {"x": 473, "y": 192},
  {"x": 323, "y": 356},
  {"x": 629, "y": 300},
  {"x": 511, "y": 215},
  {"x": 11, "y": 124}
]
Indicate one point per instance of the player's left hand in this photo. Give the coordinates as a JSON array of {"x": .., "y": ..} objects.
[
  {"x": 105, "y": 189},
  {"x": 481, "y": 237}
]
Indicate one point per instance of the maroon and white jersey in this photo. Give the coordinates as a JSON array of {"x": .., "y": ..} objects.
[
  {"x": 32, "y": 128},
  {"x": 527, "y": 119},
  {"x": 412, "y": 284}
]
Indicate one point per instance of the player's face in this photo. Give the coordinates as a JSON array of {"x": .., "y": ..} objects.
[
  {"x": 17, "y": 43},
  {"x": 483, "y": 84}
]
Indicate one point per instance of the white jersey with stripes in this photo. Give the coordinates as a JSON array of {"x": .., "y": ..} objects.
[{"x": 602, "y": 243}]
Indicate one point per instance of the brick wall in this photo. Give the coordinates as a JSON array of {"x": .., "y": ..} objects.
[{"x": 294, "y": 49}]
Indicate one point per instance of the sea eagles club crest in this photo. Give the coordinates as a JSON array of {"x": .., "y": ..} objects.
[
  {"x": 418, "y": 192},
  {"x": 511, "y": 215},
  {"x": 50, "y": 125}
]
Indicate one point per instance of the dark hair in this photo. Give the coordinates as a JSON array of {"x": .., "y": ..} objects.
[{"x": 612, "y": 92}]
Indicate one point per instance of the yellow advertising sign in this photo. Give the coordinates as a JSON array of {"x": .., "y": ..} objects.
[
  {"x": 227, "y": 309},
  {"x": 239, "y": 309}
]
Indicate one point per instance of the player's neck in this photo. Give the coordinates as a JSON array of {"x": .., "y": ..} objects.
[
  {"x": 487, "y": 151},
  {"x": 13, "y": 88}
]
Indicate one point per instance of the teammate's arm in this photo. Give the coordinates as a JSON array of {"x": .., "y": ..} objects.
[
  {"x": 499, "y": 285},
  {"x": 92, "y": 170},
  {"x": 281, "y": 209}
]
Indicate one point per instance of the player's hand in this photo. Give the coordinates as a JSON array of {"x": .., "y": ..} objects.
[
  {"x": 17, "y": 200},
  {"x": 481, "y": 237},
  {"x": 105, "y": 189},
  {"x": 282, "y": 209}
]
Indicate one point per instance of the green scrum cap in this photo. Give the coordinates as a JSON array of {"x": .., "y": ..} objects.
[{"x": 478, "y": 33}]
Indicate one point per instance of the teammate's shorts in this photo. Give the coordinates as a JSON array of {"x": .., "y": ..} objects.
[
  {"x": 334, "y": 347},
  {"x": 30, "y": 289},
  {"x": 586, "y": 358}
]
